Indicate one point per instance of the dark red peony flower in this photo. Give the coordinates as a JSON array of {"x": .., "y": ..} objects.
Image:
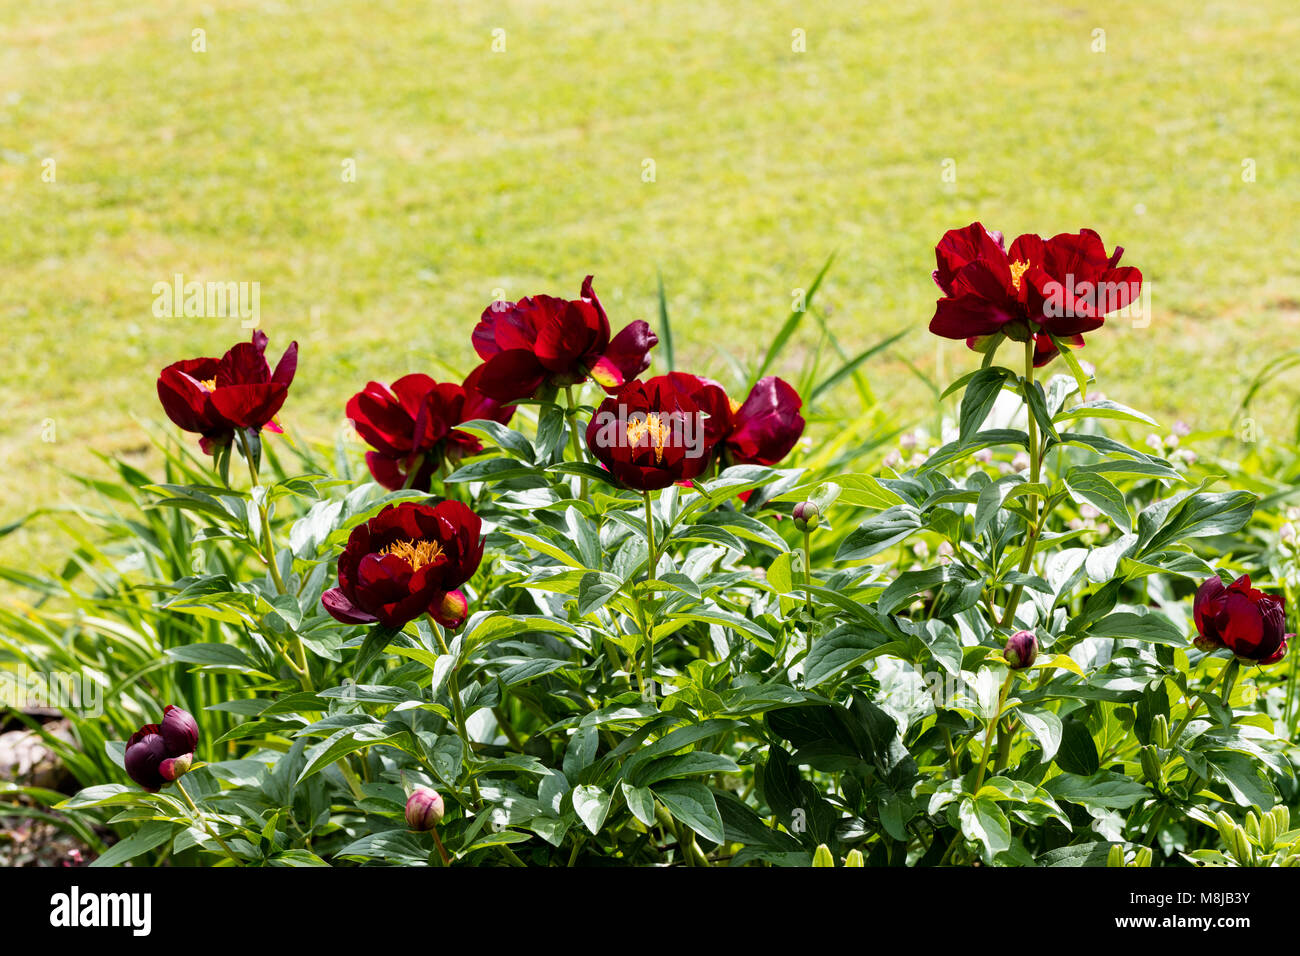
[
  {"x": 542, "y": 339},
  {"x": 1243, "y": 619},
  {"x": 156, "y": 755},
  {"x": 1065, "y": 286},
  {"x": 652, "y": 434},
  {"x": 406, "y": 561},
  {"x": 411, "y": 426},
  {"x": 760, "y": 431},
  {"x": 214, "y": 397}
]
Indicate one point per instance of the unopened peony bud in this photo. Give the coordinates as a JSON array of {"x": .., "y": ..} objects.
[
  {"x": 1160, "y": 731},
  {"x": 1151, "y": 764},
  {"x": 179, "y": 730},
  {"x": 424, "y": 809},
  {"x": 174, "y": 768},
  {"x": 1267, "y": 832},
  {"x": 806, "y": 516},
  {"x": 1021, "y": 650},
  {"x": 454, "y": 607}
]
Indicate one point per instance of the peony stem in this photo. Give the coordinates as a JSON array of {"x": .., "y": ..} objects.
[
  {"x": 652, "y": 568},
  {"x": 267, "y": 554},
  {"x": 807, "y": 577},
  {"x": 1035, "y": 470},
  {"x": 988, "y": 732},
  {"x": 571, "y": 416},
  {"x": 412, "y": 470},
  {"x": 458, "y": 709},
  {"x": 198, "y": 814},
  {"x": 1153, "y": 829}
]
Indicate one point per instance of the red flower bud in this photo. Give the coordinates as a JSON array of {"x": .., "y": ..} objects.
[
  {"x": 424, "y": 809},
  {"x": 158, "y": 754},
  {"x": 1241, "y": 618},
  {"x": 1021, "y": 650},
  {"x": 175, "y": 767},
  {"x": 806, "y": 516},
  {"x": 179, "y": 730}
]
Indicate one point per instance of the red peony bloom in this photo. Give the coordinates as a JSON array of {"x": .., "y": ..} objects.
[
  {"x": 157, "y": 755},
  {"x": 542, "y": 339},
  {"x": 214, "y": 397},
  {"x": 406, "y": 561},
  {"x": 411, "y": 425},
  {"x": 760, "y": 431},
  {"x": 1243, "y": 619},
  {"x": 653, "y": 433},
  {"x": 1065, "y": 286}
]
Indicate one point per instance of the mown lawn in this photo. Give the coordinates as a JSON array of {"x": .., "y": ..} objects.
[{"x": 522, "y": 170}]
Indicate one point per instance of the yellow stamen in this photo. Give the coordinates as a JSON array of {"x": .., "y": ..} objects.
[
  {"x": 209, "y": 383},
  {"x": 415, "y": 553},
  {"x": 1018, "y": 268},
  {"x": 652, "y": 425}
]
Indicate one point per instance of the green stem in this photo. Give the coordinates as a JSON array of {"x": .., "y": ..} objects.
[
  {"x": 652, "y": 568},
  {"x": 413, "y": 471},
  {"x": 571, "y": 415},
  {"x": 206, "y": 826},
  {"x": 267, "y": 553},
  {"x": 1153, "y": 830},
  {"x": 988, "y": 732},
  {"x": 1035, "y": 472},
  {"x": 953, "y": 767},
  {"x": 458, "y": 709},
  {"x": 442, "y": 851},
  {"x": 807, "y": 575}
]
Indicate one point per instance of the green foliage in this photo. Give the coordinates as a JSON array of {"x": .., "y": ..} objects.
[{"x": 726, "y": 690}]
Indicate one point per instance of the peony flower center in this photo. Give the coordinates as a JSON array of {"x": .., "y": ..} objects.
[
  {"x": 415, "y": 553},
  {"x": 209, "y": 383},
  {"x": 1018, "y": 269},
  {"x": 652, "y": 425}
]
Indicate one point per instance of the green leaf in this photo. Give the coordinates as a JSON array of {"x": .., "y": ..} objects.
[
  {"x": 991, "y": 497},
  {"x": 1104, "y": 789},
  {"x": 507, "y": 439},
  {"x": 1101, "y": 494},
  {"x": 641, "y": 801},
  {"x": 879, "y": 532},
  {"x": 1198, "y": 516},
  {"x": 840, "y": 651},
  {"x": 665, "y": 330},
  {"x": 852, "y": 364},
  {"x": 1078, "y": 751},
  {"x": 909, "y": 584},
  {"x": 1142, "y": 624},
  {"x": 591, "y": 804},
  {"x": 1080, "y": 376},
  {"x": 595, "y": 589},
  {"x": 152, "y": 834},
  {"x": 693, "y": 804},
  {"x": 1046, "y": 726},
  {"x": 790, "y": 326},
  {"x": 1104, "y": 408},
  {"x": 981, "y": 393},
  {"x": 983, "y": 821}
]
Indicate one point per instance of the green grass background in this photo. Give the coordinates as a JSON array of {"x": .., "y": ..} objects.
[{"x": 521, "y": 171}]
